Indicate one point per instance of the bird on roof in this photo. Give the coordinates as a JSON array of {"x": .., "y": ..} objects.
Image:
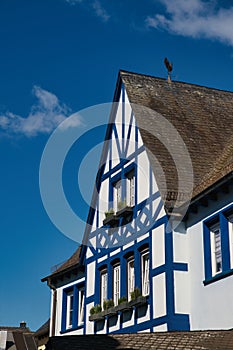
[{"x": 168, "y": 65}]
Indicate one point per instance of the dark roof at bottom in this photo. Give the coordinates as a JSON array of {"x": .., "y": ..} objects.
[{"x": 193, "y": 340}]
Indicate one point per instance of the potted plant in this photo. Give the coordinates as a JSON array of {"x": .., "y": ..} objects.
[
  {"x": 109, "y": 307},
  {"x": 136, "y": 298},
  {"x": 96, "y": 313},
  {"x": 110, "y": 218},
  {"x": 123, "y": 210},
  {"x": 123, "y": 304}
]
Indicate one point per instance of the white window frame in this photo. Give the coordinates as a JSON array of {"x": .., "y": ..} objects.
[
  {"x": 117, "y": 194},
  {"x": 81, "y": 295},
  {"x": 230, "y": 233},
  {"x": 130, "y": 277},
  {"x": 145, "y": 269},
  {"x": 216, "y": 249},
  {"x": 116, "y": 283},
  {"x": 130, "y": 189},
  {"x": 103, "y": 287},
  {"x": 69, "y": 309}
]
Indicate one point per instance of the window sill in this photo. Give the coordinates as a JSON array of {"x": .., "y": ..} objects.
[
  {"x": 125, "y": 306},
  {"x": 68, "y": 330},
  {"x": 218, "y": 277}
]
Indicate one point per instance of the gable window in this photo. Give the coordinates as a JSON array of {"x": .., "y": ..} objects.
[
  {"x": 216, "y": 251},
  {"x": 145, "y": 273},
  {"x": 130, "y": 277},
  {"x": 70, "y": 309},
  {"x": 218, "y": 246},
  {"x": 103, "y": 286},
  {"x": 116, "y": 283},
  {"x": 123, "y": 187},
  {"x": 130, "y": 188},
  {"x": 117, "y": 195}
]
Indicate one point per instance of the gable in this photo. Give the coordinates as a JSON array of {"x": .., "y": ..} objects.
[{"x": 126, "y": 177}]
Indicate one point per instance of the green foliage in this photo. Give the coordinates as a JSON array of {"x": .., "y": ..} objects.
[
  {"x": 108, "y": 304},
  {"x": 135, "y": 293},
  {"x": 109, "y": 212},
  {"x": 95, "y": 309},
  {"x": 122, "y": 300},
  {"x": 121, "y": 204}
]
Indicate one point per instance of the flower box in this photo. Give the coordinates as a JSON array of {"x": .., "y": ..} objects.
[
  {"x": 139, "y": 301},
  {"x": 97, "y": 317},
  {"x": 123, "y": 306},
  {"x": 111, "y": 220}
]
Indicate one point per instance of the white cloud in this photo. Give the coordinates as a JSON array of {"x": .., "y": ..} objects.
[
  {"x": 44, "y": 116},
  {"x": 195, "y": 18},
  {"x": 100, "y": 11},
  {"x": 74, "y": 2},
  {"x": 95, "y": 6}
]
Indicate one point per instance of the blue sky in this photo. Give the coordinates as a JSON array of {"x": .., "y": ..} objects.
[{"x": 58, "y": 57}]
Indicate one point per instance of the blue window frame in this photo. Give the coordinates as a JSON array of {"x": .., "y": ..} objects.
[
  {"x": 218, "y": 246},
  {"x": 72, "y": 308}
]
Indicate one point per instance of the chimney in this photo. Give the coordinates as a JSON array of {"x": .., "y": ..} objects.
[{"x": 23, "y": 324}]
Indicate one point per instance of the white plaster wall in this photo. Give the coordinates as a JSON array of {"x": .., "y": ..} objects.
[
  {"x": 143, "y": 177},
  {"x": 103, "y": 201},
  {"x": 182, "y": 292},
  {"x": 161, "y": 328},
  {"x": 211, "y": 305},
  {"x": 159, "y": 295},
  {"x": 90, "y": 285},
  {"x": 89, "y": 324},
  {"x": 51, "y": 312},
  {"x": 59, "y": 311},
  {"x": 158, "y": 246}
]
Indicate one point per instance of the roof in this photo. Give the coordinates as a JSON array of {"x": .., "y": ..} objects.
[
  {"x": 44, "y": 329},
  {"x": 17, "y": 338},
  {"x": 203, "y": 118},
  {"x": 193, "y": 340},
  {"x": 72, "y": 262}
]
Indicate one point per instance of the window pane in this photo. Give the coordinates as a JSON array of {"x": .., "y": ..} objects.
[
  {"x": 104, "y": 281},
  {"x": 145, "y": 274},
  {"x": 81, "y": 306},
  {"x": 216, "y": 250},
  {"x": 70, "y": 309},
  {"x": 116, "y": 284},
  {"x": 130, "y": 281}
]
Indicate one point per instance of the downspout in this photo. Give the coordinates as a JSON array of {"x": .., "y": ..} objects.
[{"x": 54, "y": 308}]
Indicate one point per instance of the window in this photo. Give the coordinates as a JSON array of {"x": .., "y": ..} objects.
[
  {"x": 145, "y": 273},
  {"x": 81, "y": 306},
  {"x": 69, "y": 309},
  {"x": 73, "y": 307},
  {"x": 218, "y": 246},
  {"x": 103, "y": 287},
  {"x": 230, "y": 229},
  {"x": 123, "y": 186},
  {"x": 117, "y": 195},
  {"x": 216, "y": 251},
  {"x": 116, "y": 284},
  {"x": 130, "y": 277},
  {"x": 130, "y": 180}
]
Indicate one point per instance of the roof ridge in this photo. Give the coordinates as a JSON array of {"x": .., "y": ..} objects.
[{"x": 122, "y": 71}]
